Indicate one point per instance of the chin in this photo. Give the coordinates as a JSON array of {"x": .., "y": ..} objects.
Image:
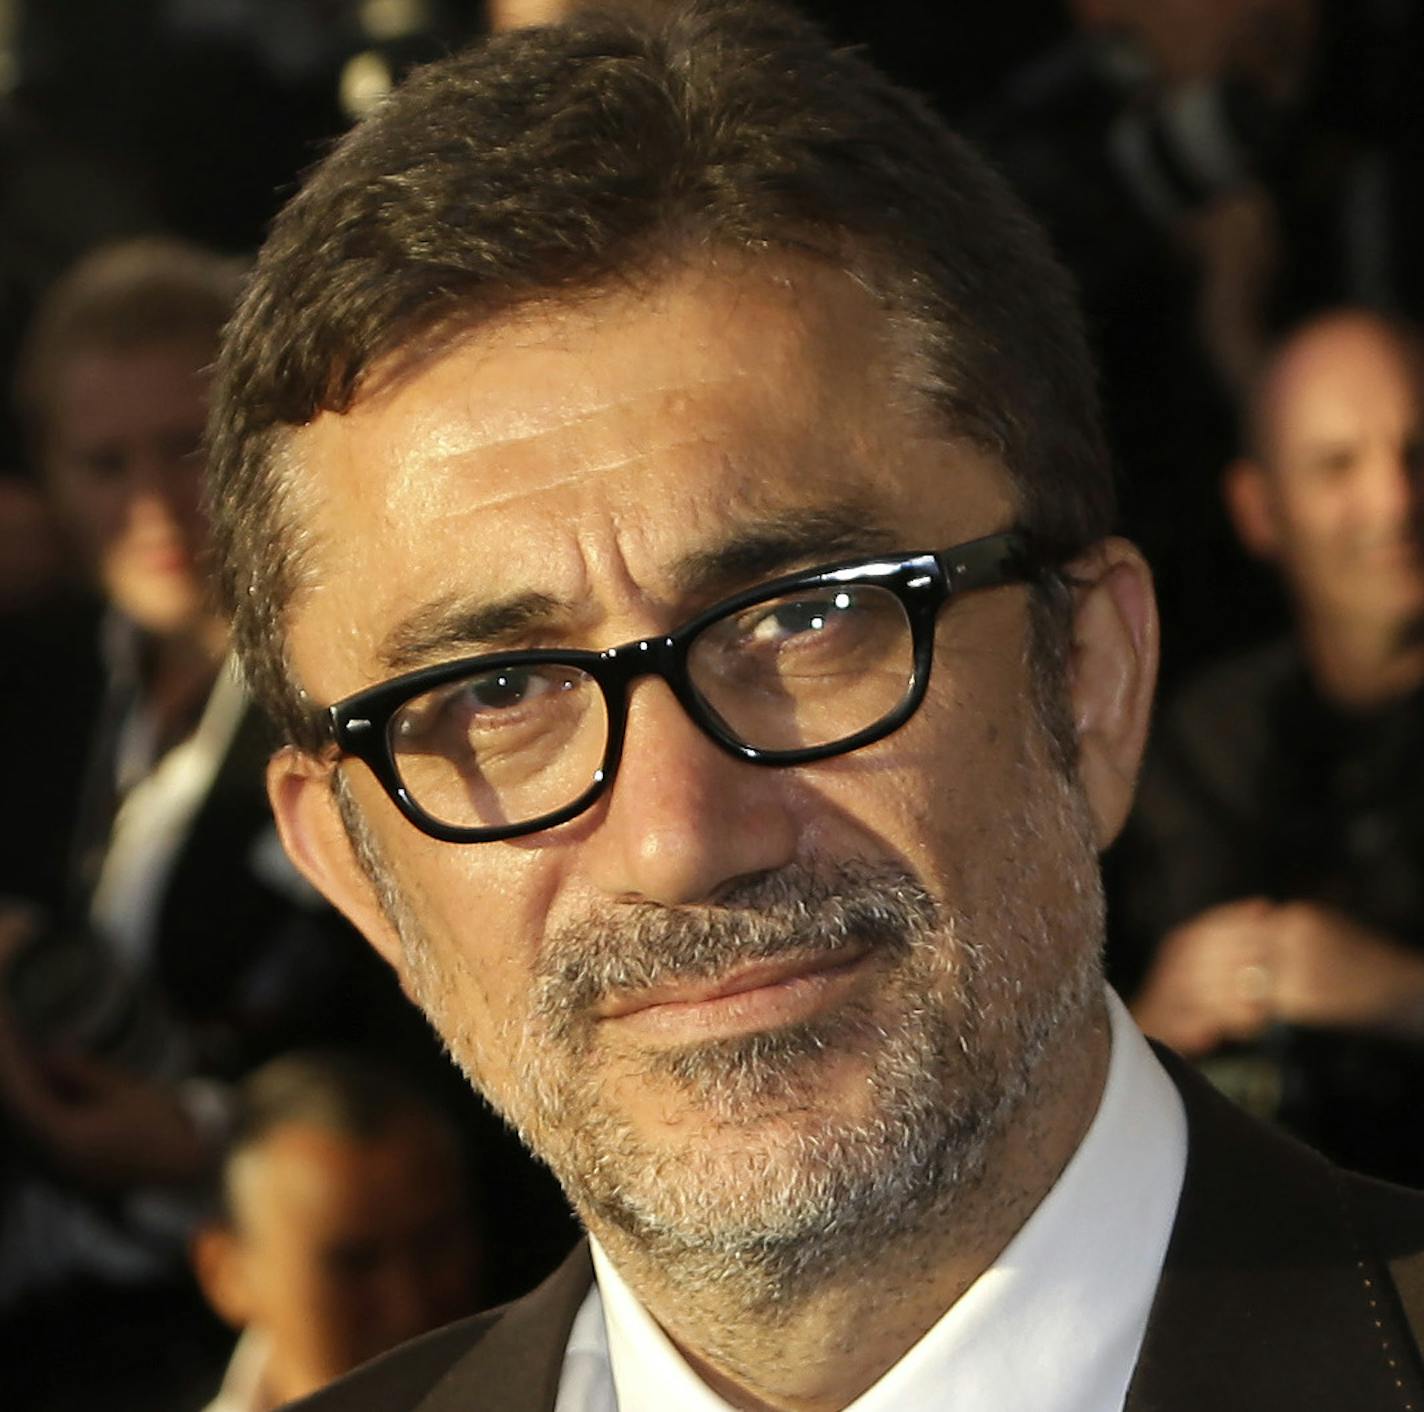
[{"x": 161, "y": 609}]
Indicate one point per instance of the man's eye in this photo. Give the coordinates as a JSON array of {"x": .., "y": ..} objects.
[
  {"x": 102, "y": 464},
  {"x": 503, "y": 690},
  {"x": 1335, "y": 464},
  {"x": 484, "y": 702},
  {"x": 780, "y": 622}
]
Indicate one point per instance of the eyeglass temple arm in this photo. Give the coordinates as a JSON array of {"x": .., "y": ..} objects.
[{"x": 1011, "y": 556}]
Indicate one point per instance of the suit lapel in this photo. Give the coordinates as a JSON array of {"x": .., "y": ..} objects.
[
  {"x": 1268, "y": 1298},
  {"x": 515, "y": 1367}
]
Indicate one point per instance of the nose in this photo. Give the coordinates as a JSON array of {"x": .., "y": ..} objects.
[
  {"x": 683, "y": 819},
  {"x": 158, "y": 491}
]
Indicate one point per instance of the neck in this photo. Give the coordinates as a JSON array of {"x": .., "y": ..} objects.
[
  {"x": 285, "y": 1382},
  {"x": 822, "y": 1347},
  {"x": 1359, "y": 666}
]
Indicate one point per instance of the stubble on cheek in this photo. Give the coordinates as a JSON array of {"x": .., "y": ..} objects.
[{"x": 777, "y": 1157}]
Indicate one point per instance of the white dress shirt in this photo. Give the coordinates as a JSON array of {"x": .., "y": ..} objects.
[
  {"x": 162, "y": 798},
  {"x": 244, "y": 1386},
  {"x": 1054, "y": 1324}
]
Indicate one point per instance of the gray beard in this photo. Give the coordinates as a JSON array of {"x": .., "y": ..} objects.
[
  {"x": 791, "y": 1193},
  {"x": 773, "y": 1193}
]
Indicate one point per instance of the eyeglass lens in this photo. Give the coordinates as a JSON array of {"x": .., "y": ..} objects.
[{"x": 509, "y": 745}]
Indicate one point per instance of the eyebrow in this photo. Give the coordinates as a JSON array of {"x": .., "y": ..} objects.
[
  {"x": 781, "y": 543},
  {"x": 448, "y": 625},
  {"x": 777, "y": 544}
]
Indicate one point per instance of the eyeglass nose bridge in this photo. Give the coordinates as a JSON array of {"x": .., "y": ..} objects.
[{"x": 663, "y": 656}]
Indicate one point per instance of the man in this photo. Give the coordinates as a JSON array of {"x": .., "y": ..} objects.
[
  {"x": 1210, "y": 171},
  {"x": 342, "y": 1227},
  {"x": 657, "y": 481},
  {"x": 113, "y": 391},
  {"x": 1280, "y": 824},
  {"x": 154, "y": 942}
]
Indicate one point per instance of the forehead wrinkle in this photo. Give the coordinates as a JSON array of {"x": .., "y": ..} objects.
[
  {"x": 596, "y": 420},
  {"x": 747, "y": 547},
  {"x": 587, "y": 468}
]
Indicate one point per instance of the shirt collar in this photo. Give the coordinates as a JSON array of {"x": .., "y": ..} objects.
[
  {"x": 243, "y": 1388},
  {"x": 1055, "y": 1322}
]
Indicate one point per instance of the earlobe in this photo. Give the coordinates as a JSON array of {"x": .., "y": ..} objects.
[
  {"x": 1248, "y": 501},
  {"x": 1113, "y": 676},
  {"x": 215, "y": 1253},
  {"x": 314, "y": 836}
]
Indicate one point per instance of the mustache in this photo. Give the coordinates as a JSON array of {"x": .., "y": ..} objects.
[{"x": 800, "y": 910}]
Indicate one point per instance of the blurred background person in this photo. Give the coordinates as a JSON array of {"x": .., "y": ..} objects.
[
  {"x": 1213, "y": 171},
  {"x": 343, "y": 1226},
  {"x": 155, "y": 945},
  {"x": 113, "y": 398},
  {"x": 1277, "y": 850}
]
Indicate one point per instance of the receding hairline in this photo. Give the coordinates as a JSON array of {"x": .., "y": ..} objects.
[
  {"x": 420, "y": 1128},
  {"x": 895, "y": 340},
  {"x": 1312, "y": 340}
]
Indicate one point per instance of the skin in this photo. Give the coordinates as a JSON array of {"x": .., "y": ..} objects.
[
  {"x": 520, "y": 14},
  {"x": 122, "y": 435},
  {"x": 121, "y": 457},
  {"x": 340, "y": 1247},
  {"x": 1333, "y": 499},
  {"x": 584, "y": 453}
]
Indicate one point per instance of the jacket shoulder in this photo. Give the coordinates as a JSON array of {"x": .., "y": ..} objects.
[
  {"x": 508, "y": 1358},
  {"x": 1287, "y": 1280},
  {"x": 403, "y": 1377}
]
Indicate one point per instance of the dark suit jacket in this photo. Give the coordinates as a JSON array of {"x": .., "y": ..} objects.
[{"x": 1288, "y": 1285}]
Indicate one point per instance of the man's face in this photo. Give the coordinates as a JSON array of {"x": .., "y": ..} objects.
[
  {"x": 343, "y": 1247},
  {"x": 1342, "y": 432},
  {"x": 121, "y": 453},
  {"x": 727, "y": 999}
]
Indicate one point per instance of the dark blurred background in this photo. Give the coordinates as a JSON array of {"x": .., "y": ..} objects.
[{"x": 195, "y": 117}]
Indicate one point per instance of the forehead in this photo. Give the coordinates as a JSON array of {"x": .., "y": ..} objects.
[
  {"x": 1346, "y": 378},
  {"x": 310, "y": 1181},
  {"x": 115, "y": 390},
  {"x": 571, "y": 449}
]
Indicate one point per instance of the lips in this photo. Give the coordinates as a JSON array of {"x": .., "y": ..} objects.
[
  {"x": 761, "y": 995},
  {"x": 161, "y": 556}
]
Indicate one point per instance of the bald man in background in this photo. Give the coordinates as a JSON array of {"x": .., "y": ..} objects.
[{"x": 1280, "y": 828}]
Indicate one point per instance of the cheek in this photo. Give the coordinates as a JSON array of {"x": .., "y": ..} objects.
[
  {"x": 484, "y": 910},
  {"x": 925, "y": 798},
  {"x": 288, "y": 1291},
  {"x": 336, "y": 1318},
  {"x": 94, "y": 517}
]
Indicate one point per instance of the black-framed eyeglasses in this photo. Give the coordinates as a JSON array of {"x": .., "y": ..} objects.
[{"x": 807, "y": 666}]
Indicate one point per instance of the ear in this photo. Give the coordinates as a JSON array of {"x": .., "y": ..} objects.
[
  {"x": 314, "y": 836},
  {"x": 1113, "y": 674},
  {"x": 1246, "y": 487},
  {"x": 219, "y": 1262}
]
